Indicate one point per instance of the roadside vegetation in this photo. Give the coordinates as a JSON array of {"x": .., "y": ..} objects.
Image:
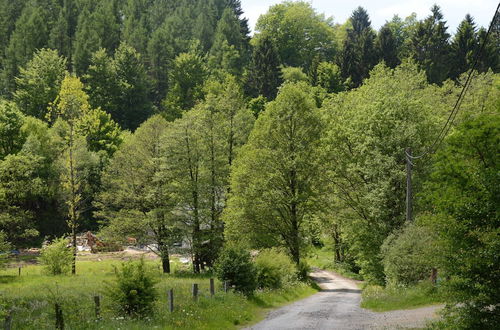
[{"x": 31, "y": 298}]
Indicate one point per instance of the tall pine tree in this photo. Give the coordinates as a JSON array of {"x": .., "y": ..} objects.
[
  {"x": 358, "y": 54},
  {"x": 264, "y": 75},
  {"x": 430, "y": 47}
]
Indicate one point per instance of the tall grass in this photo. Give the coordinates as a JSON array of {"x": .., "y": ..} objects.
[
  {"x": 32, "y": 295},
  {"x": 380, "y": 299}
]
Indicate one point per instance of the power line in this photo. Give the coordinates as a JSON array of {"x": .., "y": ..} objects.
[{"x": 449, "y": 122}]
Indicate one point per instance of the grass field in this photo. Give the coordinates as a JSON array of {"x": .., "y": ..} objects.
[
  {"x": 379, "y": 299},
  {"x": 32, "y": 296}
]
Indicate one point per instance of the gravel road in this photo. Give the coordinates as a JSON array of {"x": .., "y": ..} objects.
[{"x": 337, "y": 307}]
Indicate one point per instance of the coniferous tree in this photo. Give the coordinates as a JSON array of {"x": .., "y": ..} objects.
[
  {"x": 387, "y": 48},
  {"x": 464, "y": 47},
  {"x": 490, "y": 57},
  {"x": 264, "y": 76},
  {"x": 96, "y": 29},
  {"x": 228, "y": 51},
  {"x": 31, "y": 33},
  {"x": 358, "y": 54},
  {"x": 430, "y": 47},
  {"x": 134, "y": 105}
]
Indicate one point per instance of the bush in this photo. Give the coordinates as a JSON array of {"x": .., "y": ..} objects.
[
  {"x": 274, "y": 269},
  {"x": 303, "y": 270},
  {"x": 409, "y": 255},
  {"x": 4, "y": 249},
  {"x": 57, "y": 257},
  {"x": 134, "y": 292},
  {"x": 235, "y": 266}
]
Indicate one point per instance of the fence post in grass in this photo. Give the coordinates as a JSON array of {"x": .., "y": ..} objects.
[
  {"x": 195, "y": 291},
  {"x": 171, "y": 300},
  {"x": 225, "y": 286},
  {"x": 19, "y": 271},
  {"x": 97, "y": 302},
  {"x": 8, "y": 320},
  {"x": 212, "y": 287},
  {"x": 59, "y": 317}
]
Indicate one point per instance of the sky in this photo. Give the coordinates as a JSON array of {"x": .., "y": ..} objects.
[{"x": 382, "y": 10}]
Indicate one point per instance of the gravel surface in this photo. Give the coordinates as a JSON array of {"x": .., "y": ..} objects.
[{"x": 337, "y": 307}]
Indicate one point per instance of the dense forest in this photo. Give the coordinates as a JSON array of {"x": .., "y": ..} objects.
[{"x": 166, "y": 120}]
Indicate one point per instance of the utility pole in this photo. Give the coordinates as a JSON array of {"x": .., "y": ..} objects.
[{"x": 409, "y": 203}]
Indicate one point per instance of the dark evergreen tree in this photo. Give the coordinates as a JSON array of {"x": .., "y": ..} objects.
[
  {"x": 31, "y": 33},
  {"x": 97, "y": 29},
  {"x": 228, "y": 51},
  {"x": 490, "y": 57},
  {"x": 264, "y": 74},
  {"x": 430, "y": 46},
  {"x": 387, "y": 48},
  {"x": 358, "y": 54},
  {"x": 464, "y": 47}
]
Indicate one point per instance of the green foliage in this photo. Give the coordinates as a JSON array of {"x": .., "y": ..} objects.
[
  {"x": 133, "y": 201},
  {"x": 364, "y": 147},
  {"x": 11, "y": 135},
  {"x": 5, "y": 248},
  {"x": 39, "y": 82},
  {"x": 186, "y": 81},
  {"x": 134, "y": 291},
  {"x": 464, "y": 191},
  {"x": 329, "y": 77},
  {"x": 274, "y": 269},
  {"x": 274, "y": 181},
  {"x": 31, "y": 33},
  {"x": 430, "y": 47},
  {"x": 32, "y": 297},
  {"x": 410, "y": 254},
  {"x": 386, "y": 46},
  {"x": 119, "y": 86},
  {"x": 464, "y": 46},
  {"x": 294, "y": 75},
  {"x": 100, "y": 131},
  {"x": 358, "y": 53},
  {"x": 298, "y": 32},
  {"x": 264, "y": 76},
  {"x": 229, "y": 51},
  {"x": 235, "y": 266},
  {"x": 382, "y": 299},
  {"x": 57, "y": 257}
]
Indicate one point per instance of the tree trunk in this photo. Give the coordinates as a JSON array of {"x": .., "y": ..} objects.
[
  {"x": 73, "y": 201},
  {"x": 165, "y": 263}
]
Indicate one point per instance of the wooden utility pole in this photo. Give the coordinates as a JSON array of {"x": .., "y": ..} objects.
[{"x": 409, "y": 202}]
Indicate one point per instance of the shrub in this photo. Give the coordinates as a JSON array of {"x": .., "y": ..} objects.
[
  {"x": 409, "y": 255},
  {"x": 303, "y": 270},
  {"x": 235, "y": 266},
  {"x": 57, "y": 257},
  {"x": 4, "y": 249},
  {"x": 134, "y": 291},
  {"x": 274, "y": 269}
]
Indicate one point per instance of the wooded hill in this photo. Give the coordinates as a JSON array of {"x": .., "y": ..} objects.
[{"x": 165, "y": 120}]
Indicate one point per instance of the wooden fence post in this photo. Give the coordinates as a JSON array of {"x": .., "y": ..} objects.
[
  {"x": 59, "y": 317},
  {"x": 225, "y": 286},
  {"x": 212, "y": 287},
  {"x": 19, "y": 271},
  {"x": 97, "y": 302},
  {"x": 195, "y": 291},
  {"x": 8, "y": 320},
  {"x": 171, "y": 300}
]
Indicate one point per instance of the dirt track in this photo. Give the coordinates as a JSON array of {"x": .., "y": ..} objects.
[{"x": 337, "y": 307}]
